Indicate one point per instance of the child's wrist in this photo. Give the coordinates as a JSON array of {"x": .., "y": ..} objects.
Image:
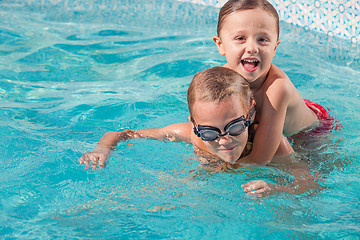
[{"x": 102, "y": 149}]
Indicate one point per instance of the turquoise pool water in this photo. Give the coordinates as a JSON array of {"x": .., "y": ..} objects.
[{"x": 72, "y": 70}]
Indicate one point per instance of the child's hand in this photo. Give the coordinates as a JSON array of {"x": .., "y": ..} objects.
[
  {"x": 93, "y": 158},
  {"x": 258, "y": 188}
]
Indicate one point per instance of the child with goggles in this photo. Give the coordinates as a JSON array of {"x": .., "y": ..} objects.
[{"x": 222, "y": 114}]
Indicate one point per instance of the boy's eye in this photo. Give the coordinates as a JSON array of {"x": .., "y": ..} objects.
[
  {"x": 264, "y": 40},
  {"x": 239, "y": 38}
]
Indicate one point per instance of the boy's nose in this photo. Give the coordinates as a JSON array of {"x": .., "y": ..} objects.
[
  {"x": 251, "y": 47},
  {"x": 224, "y": 139}
]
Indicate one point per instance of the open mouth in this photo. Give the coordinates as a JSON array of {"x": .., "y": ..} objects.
[{"x": 250, "y": 65}]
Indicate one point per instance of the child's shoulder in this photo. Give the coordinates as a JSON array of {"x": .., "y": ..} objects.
[
  {"x": 277, "y": 89},
  {"x": 278, "y": 82},
  {"x": 275, "y": 73}
]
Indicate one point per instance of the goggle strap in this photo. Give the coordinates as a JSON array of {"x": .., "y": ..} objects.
[
  {"x": 196, "y": 132},
  {"x": 252, "y": 112}
]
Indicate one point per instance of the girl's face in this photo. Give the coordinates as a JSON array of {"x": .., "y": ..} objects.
[
  {"x": 218, "y": 115},
  {"x": 248, "y": 39}
]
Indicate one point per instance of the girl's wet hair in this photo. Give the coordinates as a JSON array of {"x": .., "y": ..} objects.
[
  {"x": 217, "y": 83},
  {"x": 239, "y": 5}
]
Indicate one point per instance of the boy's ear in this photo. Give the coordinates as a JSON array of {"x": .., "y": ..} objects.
[
  {"x": 189, "y": 117},
  {"x": 252, "y": 103},
  {"x": 219, "y": 45},
  {"x": 276, "y": 46}
]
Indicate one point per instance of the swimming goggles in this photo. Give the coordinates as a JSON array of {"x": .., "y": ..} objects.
[{"x": 233, "y": 128}]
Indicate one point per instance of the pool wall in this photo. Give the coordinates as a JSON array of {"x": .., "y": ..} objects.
[{"x": 338, "y": 18}]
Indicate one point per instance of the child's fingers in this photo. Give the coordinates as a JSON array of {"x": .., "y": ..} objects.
[
  {"x": 102, "y": 163},
  {"x": 81, "y": 160},
  {"x": 86, "y": 161},
  {"x": 251, "y": 187},
  {"x": 93, "y": 160},
  {"x": 257, "y": 187},
  {"x": 257, "y": 193}
]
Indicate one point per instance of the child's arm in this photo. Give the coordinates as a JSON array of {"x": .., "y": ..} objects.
[
  {"x": 175, "y": 132},
  {"x": 268, "y": 138},
  {"x": 260, "y": 188},
  {"x": 303, "y": 182}
]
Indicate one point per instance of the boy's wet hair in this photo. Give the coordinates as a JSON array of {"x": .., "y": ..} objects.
[
  {"x": 239, "y": 5},
  {"x": 217, "y": 83}
]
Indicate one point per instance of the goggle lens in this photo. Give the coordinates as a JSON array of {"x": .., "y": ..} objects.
[
  {"x": 236, "y": 128},
  {"x": 208, "y": 135}
]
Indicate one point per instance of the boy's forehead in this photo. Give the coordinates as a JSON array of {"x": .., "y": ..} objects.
[
  {"x": 256, "y": 13},
  {"x": 229, "y": 104},
  {"x": 250, "y": 15}
]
